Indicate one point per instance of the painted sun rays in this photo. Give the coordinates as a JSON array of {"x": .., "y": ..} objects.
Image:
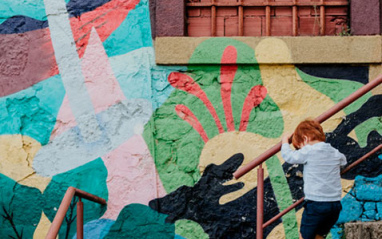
[{"x": 227, "y": 75}]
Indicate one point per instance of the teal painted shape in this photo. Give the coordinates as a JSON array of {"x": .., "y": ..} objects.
[
  {"x": 178, "y": 237},
  {"x": 139, "y": 78},
  {"x": 369, "y": 206},
  {"x": 30, "y": 8},
  {"x": 351, "y": 209},
  {"x": 20, "y": 209},
  {"x": 33, "y": 111},
  {"x": 368, "y": 189},
  {"x": 161, "y": 87},
  {"x": 133, "y": 33},
  {"x": 91, "y": 178},
  {"x": 370, "y": 214},
  {"x": 337, "y": 232},
  {"x": 138, "y": 221},
  {"x": 96, "y": 229}
]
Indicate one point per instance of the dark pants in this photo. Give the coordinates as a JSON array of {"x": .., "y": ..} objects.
[{"x": 319, "y": 218}]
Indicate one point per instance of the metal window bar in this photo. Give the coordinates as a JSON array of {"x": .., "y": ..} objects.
[{"x": 268, "y": 4}]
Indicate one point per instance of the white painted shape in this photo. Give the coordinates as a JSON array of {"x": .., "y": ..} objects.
[
  {"x": 68, "y": 150},
  {"x": 69, "y": 66}
]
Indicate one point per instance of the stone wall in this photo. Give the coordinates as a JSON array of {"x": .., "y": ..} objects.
[{"x": 88, "y": 100}]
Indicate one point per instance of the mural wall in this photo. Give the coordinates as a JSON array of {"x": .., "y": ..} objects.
[{"x": 83, "y": 104}]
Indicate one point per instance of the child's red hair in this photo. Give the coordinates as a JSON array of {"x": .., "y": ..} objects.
[{"x": 309, "y": 128}]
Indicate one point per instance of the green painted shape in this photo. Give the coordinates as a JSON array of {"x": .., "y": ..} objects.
[
  {"x": 337, "y": 90},
  {"x": 211, "y": 51},
  {"x": 20, "y": 206},
  {"x": 283, "y": 196},
  {"x": 171, "y": 163},
  {"x": 176, "y": 146},
  {"x": 30, "y": 8},
  {"x": 91, "y": 178},
  {"x": 190, "y": 230},
  {"x": 366, "y": 127},
  {"x": 33, "y": 111},
  {"x": 138, "y": 221}
]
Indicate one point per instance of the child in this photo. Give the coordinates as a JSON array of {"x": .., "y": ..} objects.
[{"x": 322, "y": 181}]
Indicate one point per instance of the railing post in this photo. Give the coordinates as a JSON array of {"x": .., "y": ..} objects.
[
  {"x": 80, "y": 219},
  {"x": 61, "y": 213},
  {"x": 260, "y": 202}
]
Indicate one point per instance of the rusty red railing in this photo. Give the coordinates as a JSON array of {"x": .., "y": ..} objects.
[
  {"x": 64, "y": 206},
  {"x": 276, "y": 148}
]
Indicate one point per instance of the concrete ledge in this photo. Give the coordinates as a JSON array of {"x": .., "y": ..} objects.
[
  {"x": 307, "y": 50},
  {"x": 363, "y": 230}
]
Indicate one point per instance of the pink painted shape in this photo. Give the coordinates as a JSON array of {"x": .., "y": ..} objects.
[
  {"x": 186, "y": 114},
  {"x": 227, "y": 75},
  {"x": 253, "y": 99},
  {"x": 187, "y": 84},
  {"x": 132, "y": 176},
  {"x": 65, "y": 119},
  {"x": 100, "y": 81}
]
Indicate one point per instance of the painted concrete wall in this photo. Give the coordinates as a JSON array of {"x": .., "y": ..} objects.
[{"x": 83, "y": 104}]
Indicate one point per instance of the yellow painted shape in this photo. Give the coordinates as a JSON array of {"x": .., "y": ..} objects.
[
  {"x": 42, "y": 228},
  {"x": 296, "y": 99},
  {"x": 353, "y": 135},
  {"x": 278, "y": 232},
  {"x": 16, "y": 158},
  {"x": 273, "y": 50},
  {"x": 347, "y": 185},
  {"x": 218, "y": 149},
  {"x": 374, "y": 71}
]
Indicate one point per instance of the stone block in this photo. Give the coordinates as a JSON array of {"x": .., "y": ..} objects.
[
  {"x": 369, "y": 206},
  {"x": 351, "y": 209},
  {"x": 370, "y": 214},
  {"x": 365, "y": 17},
  {"x": 363, "y": 230}
]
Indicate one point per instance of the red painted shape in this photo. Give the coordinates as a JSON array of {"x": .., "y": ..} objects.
[
  {"x": 253, "y": 99},
  {"x": 186, "y": 114},
  {"x": 227, "y": 75},
  {"x": 105, "y": 19},
  {"x": 184, "y": 82}
]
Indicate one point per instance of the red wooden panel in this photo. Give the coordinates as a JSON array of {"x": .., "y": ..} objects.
[
  {"x": 199, "y": 26},
  {"x": 205, "y": 12},
  {"x": 335, "y": 25},
  {"x": 309, "y": 26},
  {"x": 315, "y": 11},
  {"x": 341, "y": 11},
  {"x": 304, "y": 11},
  {"x": 231, "y": 26},
  {"x": 253, "y": 1},
  {"x": 252, "y": 26},
  {"x": 193, "y": 12},
  {"x": 226, "y": 11},
  {"x": 256, "y": 11},
  {"x": 283, "y": 11},
  {"x": 281, "y": 26},
  {"x": 220, "y": 26}
]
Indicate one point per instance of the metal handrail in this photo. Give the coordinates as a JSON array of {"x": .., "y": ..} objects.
[
  {"x": 276, "y": 148},
  {"x": 320, "y": 119},
  {"x": 285, "y": 211},
  {"x": 64, "y": 206}
]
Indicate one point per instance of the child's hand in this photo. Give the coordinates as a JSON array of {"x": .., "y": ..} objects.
[{"x": 286, "y": 137}]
